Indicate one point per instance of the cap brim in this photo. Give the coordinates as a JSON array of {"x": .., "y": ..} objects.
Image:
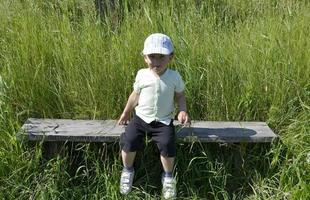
[{"x": 163, "y": 51}]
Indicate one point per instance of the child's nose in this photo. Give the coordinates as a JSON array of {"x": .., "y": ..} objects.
[{"x": 155, "y": 62}]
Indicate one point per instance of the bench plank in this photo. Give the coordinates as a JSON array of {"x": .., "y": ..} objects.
[{"x": 108, "y": 131}]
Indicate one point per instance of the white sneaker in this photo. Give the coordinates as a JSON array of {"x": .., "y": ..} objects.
[
  {"x": 169, "y": 187},
  {"x": 126, "y": 181}
]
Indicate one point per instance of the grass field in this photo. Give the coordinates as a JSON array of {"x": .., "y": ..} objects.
[{"x": 240, "y": 60}]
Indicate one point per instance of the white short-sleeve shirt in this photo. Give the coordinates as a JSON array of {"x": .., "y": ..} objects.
[{"x": 156, "y": 101}]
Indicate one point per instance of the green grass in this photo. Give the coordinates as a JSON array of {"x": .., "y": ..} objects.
[{"x": 240, "y": 60}]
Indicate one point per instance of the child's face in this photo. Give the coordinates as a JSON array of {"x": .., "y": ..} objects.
[{"x": 157, "y": 62}]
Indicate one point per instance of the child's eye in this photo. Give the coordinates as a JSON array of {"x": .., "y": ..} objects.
[{"x": 160, "y": 57}]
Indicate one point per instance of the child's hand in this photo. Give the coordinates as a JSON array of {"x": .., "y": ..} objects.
[
  {"x": 183, "y": 117},
  {"x": 123, "y": 119}
]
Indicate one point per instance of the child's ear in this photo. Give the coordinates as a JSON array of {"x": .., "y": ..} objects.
[{"x": 145, "y": 58}]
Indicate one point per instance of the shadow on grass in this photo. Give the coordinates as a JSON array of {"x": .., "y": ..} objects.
[
  {"x": 220, "y": 171},
  {"x": 203, "y": 170}
]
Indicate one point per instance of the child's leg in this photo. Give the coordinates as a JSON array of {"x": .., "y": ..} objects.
[
  {"x": 128, "y": 158},
  {"x": 168, "y": 181},
  {"x": 127, "y": 172},
  {"x": 168, "y": 163},
  {"x": 130, "y": 142},
  {"x": 164, "y": 136}
]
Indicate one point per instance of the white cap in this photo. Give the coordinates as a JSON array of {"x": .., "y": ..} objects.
[{"x": 157, "y": 43}]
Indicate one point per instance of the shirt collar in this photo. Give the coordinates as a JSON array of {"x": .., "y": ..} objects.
[{"x": 160, "y": 75}]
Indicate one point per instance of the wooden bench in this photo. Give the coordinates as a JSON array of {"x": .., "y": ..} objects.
[
  {"x": 54, "y": 131},
  {"x": 109, "y": 131}
]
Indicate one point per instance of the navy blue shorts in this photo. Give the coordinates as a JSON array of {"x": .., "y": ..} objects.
[{"x": 163, "y": 135}]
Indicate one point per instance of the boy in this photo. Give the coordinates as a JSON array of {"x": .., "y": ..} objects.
[{"x": 155, "y": 88}]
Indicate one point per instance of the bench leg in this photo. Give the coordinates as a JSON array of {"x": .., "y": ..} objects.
[
  {"x": 52, "y": 149},
  {"x": 239, "y": 153}
]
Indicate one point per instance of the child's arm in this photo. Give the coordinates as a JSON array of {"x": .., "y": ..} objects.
[
  {"x": 131, "y": 103},
  {"x": 181, "y": 101}
]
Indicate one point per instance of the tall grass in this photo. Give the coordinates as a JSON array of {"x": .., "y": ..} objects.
[{"x": 240, "y": 60}]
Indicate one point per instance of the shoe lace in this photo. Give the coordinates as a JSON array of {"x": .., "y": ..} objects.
[
  {"x": 169, "y": 186},
  {"x": 125, "y": 179}
]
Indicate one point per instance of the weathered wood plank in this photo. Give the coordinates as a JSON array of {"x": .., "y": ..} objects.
[{"x": 109, "y": 131}]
